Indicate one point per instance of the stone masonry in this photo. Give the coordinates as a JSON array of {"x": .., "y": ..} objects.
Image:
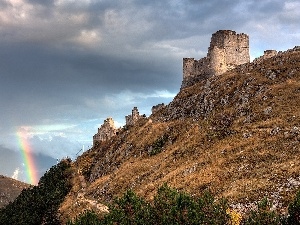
[
  {"x": 226, "y": 51},
  {"x": 267, "y": 54},
  {"x": 105, "y": 131},
  {"x": 157, "y": 107},
  {"x": 135, "y": 116}
]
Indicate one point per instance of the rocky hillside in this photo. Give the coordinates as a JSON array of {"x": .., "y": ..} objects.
[
  {"x": 10, "y": 189},
  {"x": 236, "y": 135}
]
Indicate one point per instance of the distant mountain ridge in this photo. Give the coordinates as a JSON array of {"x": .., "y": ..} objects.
[{"x": 10, "y": 189}]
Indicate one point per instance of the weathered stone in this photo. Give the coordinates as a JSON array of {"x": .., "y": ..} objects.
[
  {"x": 275, "y": 131},
  {"x": 227, "y": 50},
  {"x": 135, "y": 116},
  {"x": 157, "y": 107},
  {"x": 268, "y": 110},
  {"x": 267, "y": 54},
  {"x": 105, "y": 131}
]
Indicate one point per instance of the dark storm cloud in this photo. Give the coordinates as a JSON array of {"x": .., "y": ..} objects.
[
  {"x": 53, "y": 84},
  {"x": 46, "y": 61},
  {"x": 41, "y": 72}
]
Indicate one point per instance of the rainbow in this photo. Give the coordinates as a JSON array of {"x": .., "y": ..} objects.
[{"x": 27, "y": 155}]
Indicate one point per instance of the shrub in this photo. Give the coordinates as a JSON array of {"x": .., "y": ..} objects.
[
  {"x": 294, "y": 211},
  {"x": 235, "y": 217},
  {"x": 130, "y": 209},
  {"x": 169, "y": 207},
  {"x": 173, "y": 207},
  {"x": 158, "y": 144},
  {"x": 263, "y": 215},
  {"x": 39, "y": 204},
  {"x": 87, "y": 218}
]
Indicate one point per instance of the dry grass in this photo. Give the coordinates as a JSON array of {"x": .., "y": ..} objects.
[{"x": 245, "y": 147}]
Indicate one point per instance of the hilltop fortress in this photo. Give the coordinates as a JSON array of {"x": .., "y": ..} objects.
[
  {"x": 226, "y": 51},
  {"x": 105, "y": 131}
]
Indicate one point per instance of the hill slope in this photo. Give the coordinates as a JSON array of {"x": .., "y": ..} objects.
[
  {"x": 237, "y": 135},
  {"x": 10, "y": 189},
  {"x": 39, "y": 204}
]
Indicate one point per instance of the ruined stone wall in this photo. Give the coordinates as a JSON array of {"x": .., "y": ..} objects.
[
  {"x": 267, "y": 54},
  {"x": 227, "y": 50},
  {"x": 194, "y": 70},
  {"x": 131, "y": 119},
  {"x": 105, "y": 131},
  {"x": 192, "y": 67},
  {"x": 157, "y": 107}
]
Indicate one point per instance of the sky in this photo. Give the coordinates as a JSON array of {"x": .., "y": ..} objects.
[{"x": 67, "y": 65}]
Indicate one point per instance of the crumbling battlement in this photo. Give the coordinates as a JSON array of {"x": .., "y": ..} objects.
[
  {"x": 267, "y": 54},
  {"x": 105, "y": 131},
  {"x": 157, "y": 107},
  {"x": 227, "y": 50},
  {"x": 135, "y": 116}
]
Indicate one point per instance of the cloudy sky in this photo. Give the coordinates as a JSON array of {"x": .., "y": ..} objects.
[{"x": 66, "y": 65}]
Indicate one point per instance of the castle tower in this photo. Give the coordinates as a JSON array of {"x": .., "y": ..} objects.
[
  {"x": 227, "y": 50},
  {"x": 135, "y": 116}
]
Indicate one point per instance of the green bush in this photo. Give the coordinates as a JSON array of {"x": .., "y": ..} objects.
[
  {"x": 294, "y": 211},
  {"x": 263, "y": 215},
  {"x": 158, "y": 145},
  {"x": 88, "y": 218},
  {"x": 39, "y": 204},
  {"x": 169, "y": 207},
  {"x": 173, "y": 207},
  {"x": 130, "y": 209}
]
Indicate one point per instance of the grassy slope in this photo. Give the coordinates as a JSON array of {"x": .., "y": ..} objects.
[
  {"x": 10, "y": 189},
  {"x": 236, "y": 135}
]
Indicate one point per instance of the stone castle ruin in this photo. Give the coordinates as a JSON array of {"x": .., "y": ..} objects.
[
  {"x": 267, "y": 54},
  {"x": 157, "y": 107},
  {"x": 135, "y": 116},
  {"x": 226, "y": 51},
  {"x": 105, "y": 131}
]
